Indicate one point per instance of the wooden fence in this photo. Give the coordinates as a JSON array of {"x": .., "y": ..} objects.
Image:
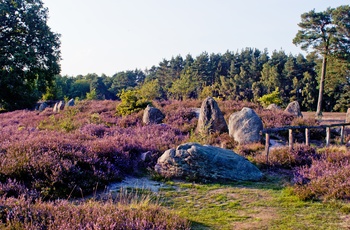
[{"x": 268, "y": 131}]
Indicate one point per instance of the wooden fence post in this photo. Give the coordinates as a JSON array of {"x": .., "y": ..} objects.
[
  {"x": 328, "y": 136},
  {"x": 291, "y": 139},
  {"x": 267, "y": 147},
  {"x": 342, "y": 134},
  {"x": 307, "y": 136}
]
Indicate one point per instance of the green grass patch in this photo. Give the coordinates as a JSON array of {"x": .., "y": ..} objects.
[{"x": 269, "y": 204}]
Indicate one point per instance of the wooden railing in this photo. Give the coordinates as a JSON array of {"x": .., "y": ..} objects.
[{"x": 268, "y": 131}]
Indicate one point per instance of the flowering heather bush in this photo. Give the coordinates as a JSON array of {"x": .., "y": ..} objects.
[
  {"x": 11, "y": 188},
  {"x": 131, "y": 120},
  {"x": 95, "y": 130},
  {"x": 327, "y": 178},
  {"x": 184, "y": 119},
  {"x": 58, "y": 163},
  {"x": 69, "y": 153},
  {"x": 284, "y": 158},
  {"x": 250, "y": 149},
  {"x": 57, "y": 166},
  {"x": 24, "y": 214},
  {"x": 275, "y": 118}
]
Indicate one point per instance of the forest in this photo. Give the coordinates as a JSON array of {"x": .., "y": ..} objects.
[
  {"x": 30, "y": 67},
  {"x": 244, "y": 75}
]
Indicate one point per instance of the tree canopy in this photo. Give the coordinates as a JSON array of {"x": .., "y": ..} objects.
[
  {"x": 29, "y": 53},
  {"x": 326, "y": 33}
]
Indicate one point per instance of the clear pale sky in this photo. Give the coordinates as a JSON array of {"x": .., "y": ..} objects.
[{"x": 108, "y": 36}]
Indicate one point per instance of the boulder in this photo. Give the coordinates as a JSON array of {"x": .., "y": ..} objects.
[
  {"x": 211, "y": 118},
  {"x": 273, "y": 107},
  {"x": 146, "y": 156},
  {"x": 55, "y": 108},
  {"x": 71, "y": 102},
  {"x": 206, "y": 163},
  {"x": 60, "y": 106},
  {"x": 245, "y": 126},
  {"x": 294, "y": 109},
  {"x": 347, "y": 120},
  {"x": 43, "y": 106},
  {"x": 152, "y": 115}
]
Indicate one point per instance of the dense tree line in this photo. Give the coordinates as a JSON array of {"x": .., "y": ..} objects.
[
  {"x": 243, "y": 75},
  {"x": 30, "y": 54}
]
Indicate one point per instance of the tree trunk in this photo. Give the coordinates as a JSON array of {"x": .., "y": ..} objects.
[{"x": 320, "y": 93}]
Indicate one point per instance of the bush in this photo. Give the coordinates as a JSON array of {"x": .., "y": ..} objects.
[
  {"x": 131, "y": 102},
  {"x": 327, "y": 177},
  {"x": 121, "y": 214},
  {"x": 275, "y": 118},
  {"x": 282, "y": 157},
  {"x": 271, "y": 98},
  {"x": 66, "y": 122},
  {"x": 57, "y": 167},
  {"x": 100, "y": 149}
]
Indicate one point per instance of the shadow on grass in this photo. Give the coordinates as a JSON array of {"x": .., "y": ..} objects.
[
  {"x": 197, "y": 225},
  {"x": 274, "y": 179}
]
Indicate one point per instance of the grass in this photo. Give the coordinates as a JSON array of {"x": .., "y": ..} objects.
[{"x": 269, "y": 204}]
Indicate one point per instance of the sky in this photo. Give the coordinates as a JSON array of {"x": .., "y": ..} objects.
[{"x": 109, "y": 36}]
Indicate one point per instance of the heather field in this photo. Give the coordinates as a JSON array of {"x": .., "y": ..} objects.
[{"x": 54, "y": 166}]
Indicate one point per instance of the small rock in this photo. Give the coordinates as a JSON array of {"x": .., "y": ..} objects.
[
  {"x": 55, "y": 108},
  {"x": 152, "y": 115},
  {"x": 294, "y": 108},
  {"x": 146, "y": 156},
  {"x": 60, "y": 106},
  {"x": 43, "y": 106},
  {"x": 71, "y": 102}
]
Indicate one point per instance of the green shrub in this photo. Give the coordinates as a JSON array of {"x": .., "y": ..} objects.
[
  {"x": 131, "y": 102},
  {"x": 271, "y": 98},
  {"x": 92, "y": 95}
]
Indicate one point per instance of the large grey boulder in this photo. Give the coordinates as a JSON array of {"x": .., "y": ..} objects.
[
  {"x": 347, "y": 120},
  {"x": 206, "y": 163},
  {"x": 152, "y": 115},
  {"x": 211, "y": 118},
  {"x": 245, "y": 126},
  {"x": 294, "y": 109}
]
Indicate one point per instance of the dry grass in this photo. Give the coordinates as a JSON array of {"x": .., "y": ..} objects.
[{"x": 327, "y": 118}]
